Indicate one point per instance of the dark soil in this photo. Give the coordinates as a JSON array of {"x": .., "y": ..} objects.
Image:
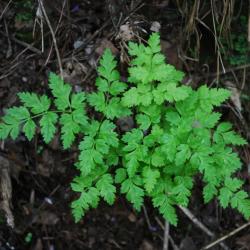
[{"x": 41, "y": 174}]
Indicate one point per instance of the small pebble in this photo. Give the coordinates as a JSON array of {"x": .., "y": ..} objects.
[
  {"x": 155, "y": 26},
  {"x": 24, "y": 79},
  {"x": 48, "y": 200}
]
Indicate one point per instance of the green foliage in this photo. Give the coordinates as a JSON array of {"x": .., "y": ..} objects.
[
  {"x": 24, "y": 10},
  {"x": 177, "y": 135},
  {"x": 28, "y": 237},
  {"x": 107, "y": 99},
  {"x": 36, "y": 110},
  {"x": 236, "y": 49}
]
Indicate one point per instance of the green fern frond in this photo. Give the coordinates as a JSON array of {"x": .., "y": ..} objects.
[
  {"x": 174, "y": 135},
  {"x": 60, "y": 90}
]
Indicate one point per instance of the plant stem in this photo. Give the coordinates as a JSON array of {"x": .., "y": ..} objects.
[{"x": 166, "y": 235}]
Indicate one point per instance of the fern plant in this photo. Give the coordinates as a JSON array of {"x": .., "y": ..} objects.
[{"x": 177, "y": 136}]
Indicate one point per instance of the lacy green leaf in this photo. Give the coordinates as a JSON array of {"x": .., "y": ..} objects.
[
  {"x": 106, "y": 188},
  {"x": 69, "y": 130},
  {"x": 37, "y": 104},
  {"x": 166, "y": 208},
  {"x": 60, "y": 91},
  {"x": 48, "y": 127},
  {"x": 134, "y": 193},
  {"x": 150, "y": 177},
  {"x": 29, "y": 129}
]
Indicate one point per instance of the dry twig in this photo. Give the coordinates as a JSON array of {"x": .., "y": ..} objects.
[
  {"x": 5, "y": 9},
  {"x": 24, "y": 44},
  {"x": 226, "y": 236},
  {"x": 174, "y": 246},
  {"x": 57, "y": 27},
  {"x": 166, "y": 236},
  {"x": 200, "y": 225},
  {"x": 248, "y": 35},
  {"x": 53, "y": 37},
  {"x": 9, "y": 50}
]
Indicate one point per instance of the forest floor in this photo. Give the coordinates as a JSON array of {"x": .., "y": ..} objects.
[{"x": 41, "y": 174}]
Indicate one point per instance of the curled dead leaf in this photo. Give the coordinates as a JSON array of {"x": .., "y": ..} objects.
[
  {"x": 235, "y": 96},
  {"x": 6, "y": 190}
]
